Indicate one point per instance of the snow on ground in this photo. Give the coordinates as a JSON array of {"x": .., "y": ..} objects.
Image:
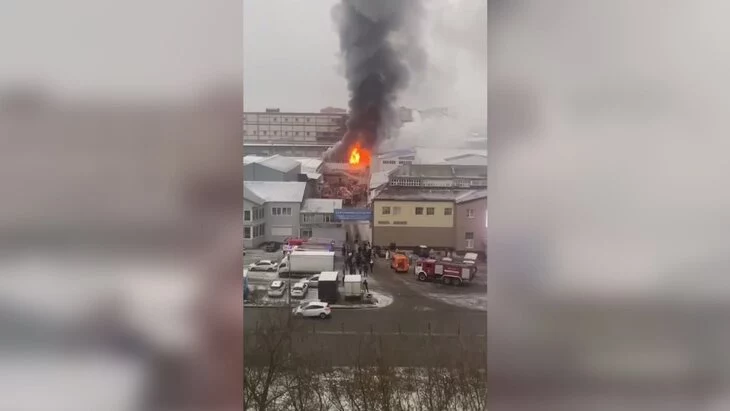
[{"x": 474, "y": 301}]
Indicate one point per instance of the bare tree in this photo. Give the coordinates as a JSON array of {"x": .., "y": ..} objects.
[{"x": 262, "y": 382}]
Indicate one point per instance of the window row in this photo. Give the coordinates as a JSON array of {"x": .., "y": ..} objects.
[
  {"x": 281, "y": 211},
  {"x": 317, "y": 218},
  {"x": 259, "y": 230},
  {"x": 397, "y": 210},
  {"x": 257, "y": 212}
]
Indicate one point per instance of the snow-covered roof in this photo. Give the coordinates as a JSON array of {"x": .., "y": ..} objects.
[
  {"x": 379, "y": 178},
  {"x": 470, "y": 159},
  {"x": 425, "y": 155},
  {"x": 313, "y": 176},
  {"x": 309, "y": 164},
  {"x": 321, "y": 205},
  {"x": 250, "y": 159},
  {"x": 396, "y": 153},
  {"x": 279, "y": 163},
  {"x": 274, "y": 191},
  {"x": 471, "y": 196}
]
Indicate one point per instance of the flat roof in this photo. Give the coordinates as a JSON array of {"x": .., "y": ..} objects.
[
  {"x": 321, "y": 205},
  {"x": 328, "y": 276},
  {"x": 274, "y": 191},
  {"x": 415, "y": 194}
]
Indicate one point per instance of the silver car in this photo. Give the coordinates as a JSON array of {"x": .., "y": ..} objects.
[
  {"x": 276, "y": 289},
  {"x": 313, "y": 309},
  {"x": 299, "y": 290},
  {"x": 313, "y": 281}
]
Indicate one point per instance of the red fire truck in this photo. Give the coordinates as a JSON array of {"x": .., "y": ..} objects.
[{"x": 447, "y": 271}]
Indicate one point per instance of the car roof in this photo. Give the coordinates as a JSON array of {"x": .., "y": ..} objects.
[
  {"x": 277, "y": 283},
  {"x": 264, "y": 261},
  {"x": 323, "y": 304}
]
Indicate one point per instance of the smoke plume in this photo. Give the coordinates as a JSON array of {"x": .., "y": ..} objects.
[{"x": 380, "y": 48}]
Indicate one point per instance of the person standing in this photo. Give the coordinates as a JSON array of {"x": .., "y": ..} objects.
[
  {"x": 372, "y": 264},
  {"x": 365, "y": 283}
]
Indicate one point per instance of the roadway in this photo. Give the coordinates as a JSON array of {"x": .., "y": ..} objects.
[{"x": 415, "y": 329}]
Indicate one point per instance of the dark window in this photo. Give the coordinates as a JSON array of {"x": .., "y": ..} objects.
[
  {"x": 469, "y": 236},
  {"x": 247, "y": 215},
  {"x": 429, "y": 211},
  {"x": 419, "y": 210},
  {"x": 447, "y": 211}
]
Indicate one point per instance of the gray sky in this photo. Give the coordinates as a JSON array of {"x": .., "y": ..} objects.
[{"x": 291, "y": 56}]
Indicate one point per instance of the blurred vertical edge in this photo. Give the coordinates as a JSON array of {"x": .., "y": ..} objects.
[{"x": 121, "y": 215}]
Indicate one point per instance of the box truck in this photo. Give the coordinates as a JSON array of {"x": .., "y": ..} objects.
[
  {"x": 328, "y": 287},
  {"x": 300, "y": 263}
]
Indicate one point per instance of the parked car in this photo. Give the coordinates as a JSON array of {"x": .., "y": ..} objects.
[
  {"x": 299, "y": 290},
  {"x": 276, "y": 289},
  {"x": 313, "y": 309},
  {"x": 313, "y": 281},
  {"x": 263, "y": 265},
  {"x": 271, "y": 247}
]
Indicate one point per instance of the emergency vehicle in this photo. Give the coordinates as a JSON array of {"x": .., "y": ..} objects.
[{"x": 449, "y": 272}]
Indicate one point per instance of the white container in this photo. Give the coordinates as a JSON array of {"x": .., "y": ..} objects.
[{"x": 353, "y": 286}]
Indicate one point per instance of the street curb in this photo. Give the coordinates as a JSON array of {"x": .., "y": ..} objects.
[{"x": 339, "y": 307}]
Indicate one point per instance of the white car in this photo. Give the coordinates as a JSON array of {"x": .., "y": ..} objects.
[
  {"x": 299, "y": 290},
  {"x": 263, "y": 265},
  {"x": 313, "y": 309},
  {"x": 313, "y": 281},
  {"x": 276, "y": 289}
]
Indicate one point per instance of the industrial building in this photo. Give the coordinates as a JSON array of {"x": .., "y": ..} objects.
[
  {"x": 271, "y": 211},
  {"x": 440, "y": 205},
  {"x": 318, "y": 220}
]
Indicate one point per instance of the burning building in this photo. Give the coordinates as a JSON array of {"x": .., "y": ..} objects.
[{"x": 380, "y": 47}]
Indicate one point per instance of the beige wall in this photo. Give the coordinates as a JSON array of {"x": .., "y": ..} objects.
[
  {"x": 403, "y": 214},
  {"x": 476, "y": 225},
  {"x": 407, "y": 237}
]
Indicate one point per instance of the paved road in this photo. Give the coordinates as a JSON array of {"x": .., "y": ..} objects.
[{"x": 415, "y": 329}]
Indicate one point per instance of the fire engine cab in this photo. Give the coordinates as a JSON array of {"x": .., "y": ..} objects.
[{"x": 446, "y": 271}]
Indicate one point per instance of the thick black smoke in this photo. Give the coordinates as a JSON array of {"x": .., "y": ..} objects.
[{"x": 380, "y": 47}]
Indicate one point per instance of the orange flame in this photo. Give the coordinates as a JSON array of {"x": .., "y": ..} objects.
[
  {"x": 359, "y": 156},
  {"x": 355, "y": 155}
]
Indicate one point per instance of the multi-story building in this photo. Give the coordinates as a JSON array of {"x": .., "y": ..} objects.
[
  {"x": 440, "y": 205},
  {"x": 447, "y": 219},
  {"x": 271, "y": 211},
  {"x": 294, "y": 134},
  {"x": 470, "y": 221},
  {"x": 318, "y": 220}
]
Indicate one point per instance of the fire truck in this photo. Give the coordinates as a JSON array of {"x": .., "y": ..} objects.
[{"x": 447, "y": 271}]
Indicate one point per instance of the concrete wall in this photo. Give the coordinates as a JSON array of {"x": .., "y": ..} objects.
[
  {"x": 252, "y": 242},
  {"x": 403, "y": 214},
  {"x": 334, "y": 233},
  {"x": 476, "y": 225},
  {"x": 407, "y": 237},
  {"x": 279, "y": 227}
]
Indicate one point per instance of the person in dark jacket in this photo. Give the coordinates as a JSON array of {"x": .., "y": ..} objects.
[{"x": 365, "y": 283}]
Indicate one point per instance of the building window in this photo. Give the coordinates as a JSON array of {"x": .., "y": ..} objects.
[
  {"x": 429, "y": 211},
  {"x": 276, "y": 211},
  {"x": 305, "y": 232},
  {"x": 306, "y": 218},
  {"x": 469, "y": 237},
  {"x": 255, "y": 231},
  {"x": 419, "y": 210},
  {"x": 396, "y": 210},
  {"x": 386, "y": 210},
  {"x": 328, "y": 218},
  {"x": 246, "y": 215},
  {"x": 470, "y": 213},
  {"x": 276, "y": 133},
  {"x": 247, "y": 233},
  {"x": 448, "y": 211},
  {"x": 286, "y": 211}
]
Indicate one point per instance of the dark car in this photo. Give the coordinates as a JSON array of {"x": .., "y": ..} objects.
[{"x": 271, "y": 247}]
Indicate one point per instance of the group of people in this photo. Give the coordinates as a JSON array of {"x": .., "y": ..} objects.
[{"x": 359, "y": 258}]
